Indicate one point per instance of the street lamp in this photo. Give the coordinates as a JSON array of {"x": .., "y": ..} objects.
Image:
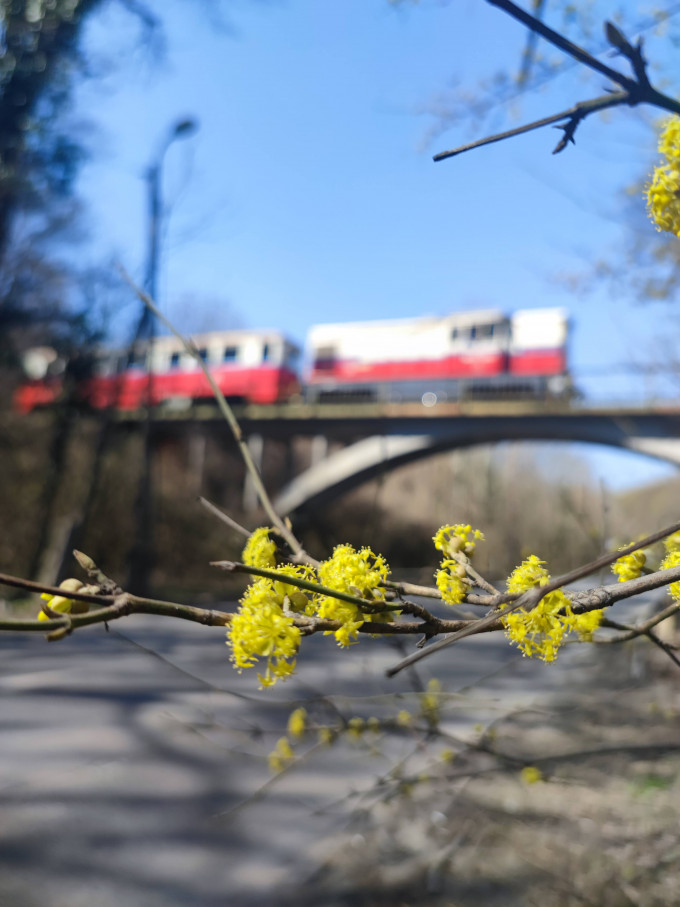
[
  {"x": 141, "y": 555},
  {"x": 180, "y": 130}
]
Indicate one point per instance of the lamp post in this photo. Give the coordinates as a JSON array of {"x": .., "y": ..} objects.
[
  {"x": 141, "y": 555},
  {"x": 179, "y": 130}
]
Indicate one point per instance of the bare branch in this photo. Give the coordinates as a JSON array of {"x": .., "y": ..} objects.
[
  {"x": 574, "y": 115},
  {"x": 228, "y": 414},
  {"x": 298, "y": 581},
  {"x": 223, "y": 517},
  {"x": 632, "y": 92},
  {"x": 531, "y": 598},
  {"x": 564, "y": 44}
]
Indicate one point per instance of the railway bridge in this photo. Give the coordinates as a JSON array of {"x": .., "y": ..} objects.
[{"x": 379, "y": 437}]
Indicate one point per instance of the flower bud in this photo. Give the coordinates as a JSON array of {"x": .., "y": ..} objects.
[{"x": 85, "y": 561}]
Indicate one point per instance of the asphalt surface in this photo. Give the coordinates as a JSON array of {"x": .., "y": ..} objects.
[{"x": 133, "y": 778}]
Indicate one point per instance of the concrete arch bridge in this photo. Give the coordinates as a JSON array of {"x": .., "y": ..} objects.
[
  {"x": 392, "y": 441},
  {"x": 377, "y": 438}
]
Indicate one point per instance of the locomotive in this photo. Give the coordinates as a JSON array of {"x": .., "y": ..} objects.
[{"x": 480, "y": 354}]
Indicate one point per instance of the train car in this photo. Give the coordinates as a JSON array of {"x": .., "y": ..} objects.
[
  {"x": 248, "y": 366},
  {"x": 476, "y": 354}
]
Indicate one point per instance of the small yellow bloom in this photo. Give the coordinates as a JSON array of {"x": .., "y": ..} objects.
[
  {"x": 458, "y": 537},
  {"x": 587, "y": 623},
  {"x": 260, "y": 550},
  {"x": 61, "y": 603},
  {"x": 531, "y": 775},
  {"x": 530, "y": 573},
  {"x": 356, "y": 727},
  {"x": 355, "y": 572},
  {"x": 297, "y": 723},
  {"x": 540, "y": 632},
  {"x": 672, "y": 559},
  {"x": 261, "y": 629},
  {"x": 663, "y": 192},
  {"x": 672, "y": 542},
  {"x": 630, "y": 566},
  {"x": 404, "y": 718},
  {"x": 281, "y": 756},
  {"x": 451, "y": 585},
  {"x": 429, "y": 702},
  {"x": 326, "y": 735}
]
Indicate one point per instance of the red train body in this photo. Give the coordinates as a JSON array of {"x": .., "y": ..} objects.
[{"x": 248, "y": 366}]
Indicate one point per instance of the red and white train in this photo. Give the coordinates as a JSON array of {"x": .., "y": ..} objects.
[
  {"x": 475, "y": 354},
  {"x": 467, "y": 354}
]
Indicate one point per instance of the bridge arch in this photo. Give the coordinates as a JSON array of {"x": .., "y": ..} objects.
[{"x": 363, "y": 460}]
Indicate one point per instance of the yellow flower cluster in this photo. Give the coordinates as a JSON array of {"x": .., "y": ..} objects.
[
  {"x": 530, "y": 573},
  {"x": 457, "y": 543},
  {"x": 630, "y": 566},
  {"x": 672, "y": 559},
  {"x": 663, "y": 192},
  {"x": 264, "y": 626},
  {"x": 540, "y": 632},
  {"x": 281, "y": 756},
  {"x": 430, "y": 702},
  {"x": 297, "y": 723},
  {"x": 452, "y": 582},
  {"x": 356, "y": 727},
  {"x": 457, "y": 538},
  {"x": 260, "y": 550},
  {"x": 359, "y": 573},
  {"x": 262, "y": 629},
  {"x": 672, "y": 542},
  {"x": 531, "y": 775}
]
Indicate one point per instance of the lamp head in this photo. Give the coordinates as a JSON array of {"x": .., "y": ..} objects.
[{"x": 185, "y": 128}]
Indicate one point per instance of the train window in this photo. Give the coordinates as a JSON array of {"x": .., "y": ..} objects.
[
  {"x": 174, "y": 360},
  {"x": 230, "y": 354},
  {"x": 265, "y": 352},
  {"x": 137, "y": 359},
  {"x": 324, "y": 358},
  {"x": 455, "y": 334},
  {"x": 203, "y": 353},
  {"x": 482, "y": 331}
]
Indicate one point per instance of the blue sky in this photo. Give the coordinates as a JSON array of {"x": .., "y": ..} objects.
[{"x": 309, "y": 193}]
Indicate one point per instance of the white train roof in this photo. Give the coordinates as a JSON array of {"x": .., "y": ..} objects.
[{"x": 425, "y": 322}]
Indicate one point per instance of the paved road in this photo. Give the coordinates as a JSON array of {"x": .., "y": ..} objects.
[{"x": 119, "y": 772}]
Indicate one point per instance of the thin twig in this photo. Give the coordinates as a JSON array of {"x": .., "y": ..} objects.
[
  {"x": 114, "y": 606},
  {"x": 413, "y": 589},
  {"x": 223, "y": 517},
  {"x": 18, "y": 582},
  {"x": 228, "y": 414},
  {"x": 564, "y": 44},
  {"x": 474, "y": 575},
  {"x": 576, "y": 113},
  {"x": 641, "y": 629}
]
